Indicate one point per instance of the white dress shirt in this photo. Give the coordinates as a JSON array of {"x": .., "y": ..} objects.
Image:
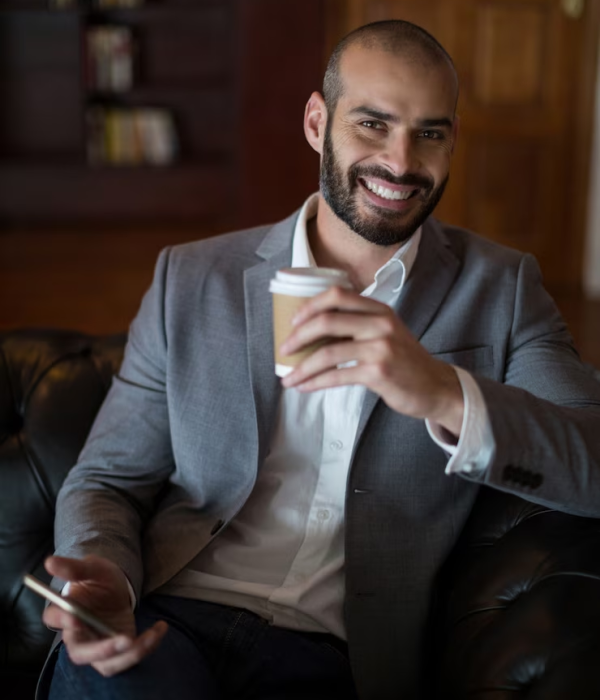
[{"x": 282, "y": 556}]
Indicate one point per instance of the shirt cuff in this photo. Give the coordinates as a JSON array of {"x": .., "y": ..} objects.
[
  {"x": 473, "y": 450},
  {"x": 67, "y": 587}
]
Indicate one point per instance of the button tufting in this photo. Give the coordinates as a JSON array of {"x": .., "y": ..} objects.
[
  {"x": 509, "y": 473},
  {"x": 537, "y": 481},
  {"x": 15, "y": 424}
]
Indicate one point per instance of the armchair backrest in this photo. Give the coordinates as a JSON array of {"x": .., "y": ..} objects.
[
  {"x": 51, "y": 386},
  {"x": 518, "y": 606}
]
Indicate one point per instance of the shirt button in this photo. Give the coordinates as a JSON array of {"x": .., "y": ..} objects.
[
  {"x": 336, "y": 445},
  {"x": 323, "y": 514}
]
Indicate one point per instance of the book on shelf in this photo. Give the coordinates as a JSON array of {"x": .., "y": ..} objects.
[
  {"x": 109, "y": 58},
  {"x": 136, "y": 136},
  {"x": 106, "y": 4}
]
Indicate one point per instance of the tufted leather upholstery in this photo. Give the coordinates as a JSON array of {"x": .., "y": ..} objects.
[
  {"x": 518, "y": 608},
  {"x": 522, "y": 605},
  {"x": 51, "y": 386}
]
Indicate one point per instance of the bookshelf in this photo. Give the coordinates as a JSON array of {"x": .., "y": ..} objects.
[
  {"x": 184, "y": 70},
  {"x": 235, "y": 74}
]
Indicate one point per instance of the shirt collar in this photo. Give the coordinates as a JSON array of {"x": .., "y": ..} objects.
[{"x": 389, "y": 279}]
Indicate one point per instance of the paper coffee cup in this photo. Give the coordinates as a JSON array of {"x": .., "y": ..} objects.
[{"x": 291, "y": 288}]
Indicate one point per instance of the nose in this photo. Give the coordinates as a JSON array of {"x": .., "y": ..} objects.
[{"x": 400, "y": 154}]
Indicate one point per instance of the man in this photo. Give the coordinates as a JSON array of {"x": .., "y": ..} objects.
[{"x": 255, "y": 526}]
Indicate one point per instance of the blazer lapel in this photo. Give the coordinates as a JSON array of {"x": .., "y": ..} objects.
[
  {"x": 276, "y": 252},
  {"x": 430, "y": 280}
]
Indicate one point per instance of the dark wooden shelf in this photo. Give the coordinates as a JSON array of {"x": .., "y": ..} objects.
[
  {"x": 121, "y": 13},
  {"x": 185, "y": 64},
  {"x": 181, "y": 192},
  {"x": 193, "y": 90},
  {"x": 235, "y": 74},
  {"x": 66, "y": 164}
]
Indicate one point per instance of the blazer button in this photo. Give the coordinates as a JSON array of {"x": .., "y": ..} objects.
[{"x": 217, "y": 526}]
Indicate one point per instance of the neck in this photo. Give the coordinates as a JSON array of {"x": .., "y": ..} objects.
[{"x": 334, "y": 244}]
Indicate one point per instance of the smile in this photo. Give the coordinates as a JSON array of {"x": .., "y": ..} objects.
[{"x": 387, "y": 193}]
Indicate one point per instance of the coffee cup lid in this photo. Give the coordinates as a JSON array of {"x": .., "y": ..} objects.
[{"x": 307, "y": 280}]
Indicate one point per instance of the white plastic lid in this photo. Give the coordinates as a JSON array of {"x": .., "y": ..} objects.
[{"x": 307, "y": 281}]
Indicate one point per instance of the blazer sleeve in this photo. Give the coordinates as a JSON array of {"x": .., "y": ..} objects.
[
  {"x": 111, "y": 491},
  {"x": 545, "y": 415}
]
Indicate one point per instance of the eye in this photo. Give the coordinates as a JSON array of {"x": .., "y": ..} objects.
[
  {"x": 432, "y": 134},
  {"x": 370, "y": 124}
]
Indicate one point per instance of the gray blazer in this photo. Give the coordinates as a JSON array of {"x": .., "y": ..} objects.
[{"x": 175, "y": 449}]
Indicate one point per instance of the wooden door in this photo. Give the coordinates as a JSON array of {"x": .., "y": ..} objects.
[{"x": 527, "y": 73}]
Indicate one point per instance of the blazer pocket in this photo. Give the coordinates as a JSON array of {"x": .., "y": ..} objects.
[{"x": 479, "y": 360}]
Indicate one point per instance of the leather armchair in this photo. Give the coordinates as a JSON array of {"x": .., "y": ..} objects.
[{"x": 517, "y": 612}]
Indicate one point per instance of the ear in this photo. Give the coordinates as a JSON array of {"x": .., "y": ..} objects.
[
  {"x": 455, "y": 131},
  {"x": 315, "y": 120}
]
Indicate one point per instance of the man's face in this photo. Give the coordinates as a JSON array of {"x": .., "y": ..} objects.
[{"x": 387, "y": 148}]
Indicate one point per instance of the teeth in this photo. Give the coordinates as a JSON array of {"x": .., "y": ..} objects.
[{"x": 385, "y": 193}]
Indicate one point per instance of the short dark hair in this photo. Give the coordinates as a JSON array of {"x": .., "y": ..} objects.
[{"x": 396, "y": 36}]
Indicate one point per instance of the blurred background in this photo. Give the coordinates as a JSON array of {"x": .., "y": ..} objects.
[{"x": 129, "y": 125}]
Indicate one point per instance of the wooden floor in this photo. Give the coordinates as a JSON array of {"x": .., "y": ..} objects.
[{"x": 93, "y": 281}]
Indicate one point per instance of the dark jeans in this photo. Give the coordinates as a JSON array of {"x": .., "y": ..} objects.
[{"x": 214, "y": 651}]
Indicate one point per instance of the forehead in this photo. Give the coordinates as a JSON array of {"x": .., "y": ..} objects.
[{"x": 396, "y": 83}]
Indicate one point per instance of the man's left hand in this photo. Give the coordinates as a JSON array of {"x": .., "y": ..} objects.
[{"x": 388, "y": 359}]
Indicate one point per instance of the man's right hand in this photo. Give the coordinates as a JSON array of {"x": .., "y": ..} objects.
[{"x": 100, "y": 586}]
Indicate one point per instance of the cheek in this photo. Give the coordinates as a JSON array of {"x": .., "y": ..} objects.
[
  {"x": 436, "y": 159},
  {"x": 354, "y": 145}
]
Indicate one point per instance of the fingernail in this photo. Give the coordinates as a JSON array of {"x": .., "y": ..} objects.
[{"x": 122, "y": 644}]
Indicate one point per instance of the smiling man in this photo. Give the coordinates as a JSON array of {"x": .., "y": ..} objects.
[
  {"x": 406, "y": 118},
  {"x": 250, "y": 538}
]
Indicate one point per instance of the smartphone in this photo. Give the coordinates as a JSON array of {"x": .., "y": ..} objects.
[{"x": 65, "y": 603}]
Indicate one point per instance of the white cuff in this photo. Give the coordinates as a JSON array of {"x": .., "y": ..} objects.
[{"x": 475, "y": 446}]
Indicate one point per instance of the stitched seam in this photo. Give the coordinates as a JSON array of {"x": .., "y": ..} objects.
[
  {"x": 337, "y": 652},
  {"x": 37, "y": 475},
  {"x": 31, "y": 458},
  {"x": 67, "y": 356},
  {"x": 479, "y": 611},
  {"x": 574, "y": 574},
  {"x": 231, "y": 630}
]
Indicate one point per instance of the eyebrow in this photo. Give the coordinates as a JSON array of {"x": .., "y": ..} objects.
[
  {"x": 393, "y": 119},
  {"x": 442, "y": 121}
]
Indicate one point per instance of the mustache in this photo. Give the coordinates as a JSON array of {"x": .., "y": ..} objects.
[{"x": 408, "y": 179}]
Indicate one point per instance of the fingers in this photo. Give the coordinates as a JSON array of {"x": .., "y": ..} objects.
[
  {"x": 331, "y": 357},
  {"x": 112, "y": 655},
  {"x": 335, "y": 377},
  {"x": 137, "y": 650},
  {"x": 340, "y": 313},
  {"x": 84, "y": 649},
  {"x": 337, "y": 299},
  {"x": 358, "y": 327},
  {"x": 53, "y": 617}
]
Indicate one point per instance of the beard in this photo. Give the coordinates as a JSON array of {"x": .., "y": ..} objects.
[{"x": 384, "y": 227}]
